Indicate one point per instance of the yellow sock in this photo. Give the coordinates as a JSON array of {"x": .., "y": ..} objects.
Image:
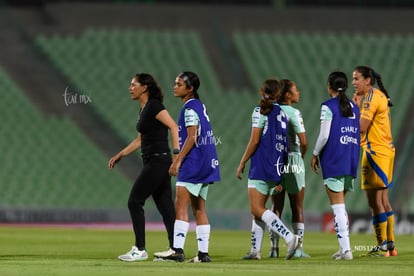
[{"x": 390, "y": 227}]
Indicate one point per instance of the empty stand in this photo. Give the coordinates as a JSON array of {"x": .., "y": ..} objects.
[{"x": 49, "y": 163}]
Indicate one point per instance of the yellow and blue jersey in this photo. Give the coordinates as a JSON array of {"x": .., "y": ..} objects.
[{"x": 378, "y": 137}]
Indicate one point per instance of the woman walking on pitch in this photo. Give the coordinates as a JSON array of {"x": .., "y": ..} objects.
[
  {"x": 337, "y": 153},
  {"x": 154, "y": 179},
  {"x": 378, "y": 155},
  {"x": 267, "y": 149},
  {"x": 196, "y": 167}
]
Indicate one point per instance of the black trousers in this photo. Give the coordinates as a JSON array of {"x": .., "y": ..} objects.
[{"x": 154, "y": 181}]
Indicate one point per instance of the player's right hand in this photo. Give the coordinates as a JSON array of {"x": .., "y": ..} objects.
[
  {"x": 315, "y": 165},
  {"x": 115, "y": 159},
  {"x": 239, "y": 171}
]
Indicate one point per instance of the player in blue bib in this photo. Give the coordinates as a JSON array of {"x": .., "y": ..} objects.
[
  {"x": 267, "y": 150},
  {"x": 337, "y": 153},
  {"x": 196, "y": 166}
]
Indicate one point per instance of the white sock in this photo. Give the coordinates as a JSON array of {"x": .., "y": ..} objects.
[
  {"x": 258, "y": 228},
  {"x": 180, "y": 232},
  {"x": 203, "y": 237},
  {"x": 341, "y": 226},
  {"x": 277, "y": 226},
  {"x": 299, "y": 229}
]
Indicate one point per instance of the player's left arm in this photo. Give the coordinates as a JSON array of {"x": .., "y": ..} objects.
[
  {"x": 188, "y": 144},
  {"x": 299, "y": 127},
  {"x": 254, "y": 141},
  {"x": 303, "y": 143}
]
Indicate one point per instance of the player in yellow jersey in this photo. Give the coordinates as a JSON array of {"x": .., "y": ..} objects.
[{"x": 378, "y": 155}]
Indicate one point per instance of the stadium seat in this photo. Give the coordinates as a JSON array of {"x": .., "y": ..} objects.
[{"x": 49, "y": 163}]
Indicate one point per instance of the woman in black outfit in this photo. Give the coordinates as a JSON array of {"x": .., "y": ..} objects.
[{"x": 154, "y": 179}]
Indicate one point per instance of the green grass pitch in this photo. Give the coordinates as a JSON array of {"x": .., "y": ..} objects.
[{"x": 81, "y": 251}]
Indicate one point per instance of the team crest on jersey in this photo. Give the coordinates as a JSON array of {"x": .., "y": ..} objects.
[{"x": 366, "y": 105}]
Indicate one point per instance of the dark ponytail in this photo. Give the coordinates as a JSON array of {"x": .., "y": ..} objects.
[
  {"x": 271, "y": 92},
  {"x": 154, "y": 91},
  {"x": 339, "y": 82},
  {"x": 382, "y": 88},
  {"x": 368, "y": 72}
]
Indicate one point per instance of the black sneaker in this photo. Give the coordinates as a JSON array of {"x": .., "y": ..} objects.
[
  {"x": 201, "y": 258},
  {"x": 377, "y": 252},
  {"x": 175, "y": 254}
]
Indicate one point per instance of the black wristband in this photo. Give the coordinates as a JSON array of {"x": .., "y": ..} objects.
[{"x": 176, "y": 151}]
